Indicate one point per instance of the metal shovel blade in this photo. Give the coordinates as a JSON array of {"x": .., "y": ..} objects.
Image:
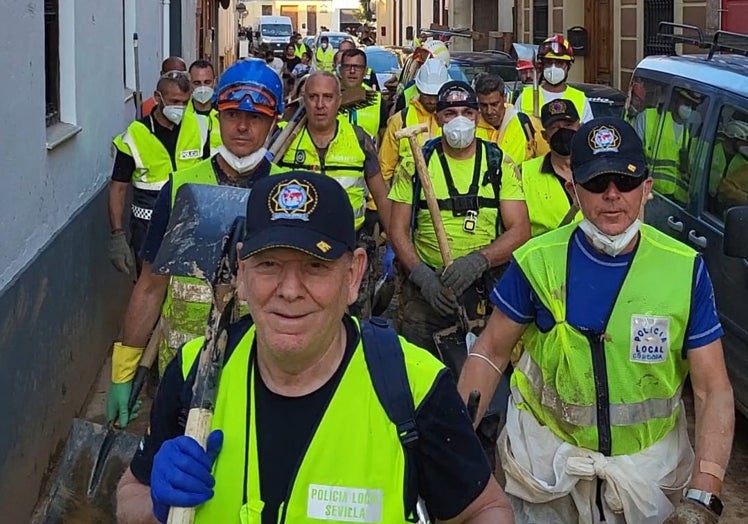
[
  {"x": 200, "y": 222},
  {"x": 66, "y": 498}
]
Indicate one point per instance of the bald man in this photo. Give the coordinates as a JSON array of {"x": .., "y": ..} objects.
[{"x": 173, "y": 63}]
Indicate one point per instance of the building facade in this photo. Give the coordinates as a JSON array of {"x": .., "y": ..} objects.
[
  {"x": 307, "y": 17},
  {"x": 68, "y": 92},
  {"x": 619, "y": 33}
]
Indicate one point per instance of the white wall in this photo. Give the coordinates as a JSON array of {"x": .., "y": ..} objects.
[{"x": 44, "y": 188}]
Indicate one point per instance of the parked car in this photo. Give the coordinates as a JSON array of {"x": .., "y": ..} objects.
[
  {"x": 384, "y": 62},
  {"x": 308, "y": 41},
  {"x": 335, "y": 37},
  {"x": 697, "y": 105}
]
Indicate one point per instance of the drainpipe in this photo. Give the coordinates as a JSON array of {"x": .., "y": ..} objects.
[{"x": 166, "y": 32}]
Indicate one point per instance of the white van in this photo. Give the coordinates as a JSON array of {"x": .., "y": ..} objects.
[{"x": 274, "y": 32}]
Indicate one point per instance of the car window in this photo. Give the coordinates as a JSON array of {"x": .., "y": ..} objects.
[
  {"x": 670, "y": 128},
  {"x": 728, "y": 173},
  {"x": 382, "y": 61},
  {"x": 275, "y": 30}
]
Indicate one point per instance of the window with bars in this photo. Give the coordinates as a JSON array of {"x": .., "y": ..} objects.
[
  {"x": 52, "y": 60},
  {"x": 656, "y": 11}
]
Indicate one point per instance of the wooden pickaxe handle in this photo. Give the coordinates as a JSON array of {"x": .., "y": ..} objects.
[{"x": 411, "y": 133}]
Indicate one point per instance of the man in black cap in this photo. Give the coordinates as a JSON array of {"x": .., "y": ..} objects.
[
  {"x": 484, "y": 215},
  {"x": 298, "y": 419},
  {"x": 544, "y": 178},
  {"x": 614, "y": 315}
]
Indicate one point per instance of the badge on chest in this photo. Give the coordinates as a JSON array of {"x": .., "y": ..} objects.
[{"x": 650, "y": 339}]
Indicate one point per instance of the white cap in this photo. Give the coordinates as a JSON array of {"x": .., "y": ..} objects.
[{"x": 431, "y": 76}]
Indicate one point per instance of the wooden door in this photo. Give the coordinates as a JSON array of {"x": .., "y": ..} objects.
[
  {"x": 292, "y": 12},
  {"x": 735, "y": 16},
  {"x": 311, "y": 19},
  {"x": 598, "y": 19},
  {"x": 485, "y": 19}
]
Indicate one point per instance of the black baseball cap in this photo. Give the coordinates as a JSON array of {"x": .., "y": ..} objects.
[
  {"x": 456, "y": 93},
  {"x": 606, "y": 145},
  {"x": 559, "y": 109},
  {"x": 299, "y": 210}
]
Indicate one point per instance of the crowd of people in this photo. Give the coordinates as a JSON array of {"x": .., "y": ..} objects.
[{"x": 522, "y": 264}]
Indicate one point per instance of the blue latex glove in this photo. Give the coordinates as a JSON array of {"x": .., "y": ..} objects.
[
  {"x": 181, "y": 474},
  {"x": 388, "y": 263}
]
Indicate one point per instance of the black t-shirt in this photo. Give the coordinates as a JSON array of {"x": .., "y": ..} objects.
[
  {"x": 162, "y": 207},
  {"x": 124, "y": 165},
  {"x": 452, "y": 469}
]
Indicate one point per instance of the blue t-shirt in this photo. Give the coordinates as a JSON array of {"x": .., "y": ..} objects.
[
  {"x": 162, "y": 208},
  {"x": 594, "y": 282}
]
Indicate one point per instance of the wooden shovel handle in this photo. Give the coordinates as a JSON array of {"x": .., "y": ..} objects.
[{"x": 431, "y": 202}]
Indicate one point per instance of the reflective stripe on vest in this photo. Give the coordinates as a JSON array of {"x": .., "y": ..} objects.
[
  {"x": 577, "y": 97},
  {"x": 365, "y": 487},
  {"x": 460, "y": 242},
  {"x": 617, "y": 392},
  {"x": 344, "y": 161},
  {"x": 547, "y": 201},
  {"x": 667, "y": 166},
  {"x": 153, "y": 164}
]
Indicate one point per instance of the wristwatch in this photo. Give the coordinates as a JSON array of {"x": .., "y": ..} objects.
[{"x": 706, "y": 499}]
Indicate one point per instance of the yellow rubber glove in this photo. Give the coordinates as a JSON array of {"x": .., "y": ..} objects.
[{"x": 125, "y": 361}]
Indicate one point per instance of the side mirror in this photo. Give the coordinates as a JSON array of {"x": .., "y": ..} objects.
[{"x": 735, "y": 243}]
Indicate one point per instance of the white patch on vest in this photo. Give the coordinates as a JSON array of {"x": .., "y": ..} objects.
[
  {"x": 188, "y": 154},
  {"x": 343, "y": 504},
  {"x": 650, "y": 339}
]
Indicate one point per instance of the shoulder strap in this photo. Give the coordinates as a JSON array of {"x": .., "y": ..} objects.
[
  {"x": 386, "y": 363},
  {"x": 527, "y": 126}
]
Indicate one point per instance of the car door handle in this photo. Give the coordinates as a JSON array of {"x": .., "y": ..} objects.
[
  {"x": 672, "y": 223},
  {"x": 696, "y": 239}
]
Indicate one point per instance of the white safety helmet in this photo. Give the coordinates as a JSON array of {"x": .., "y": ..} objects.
[
  {"x": 431, "y": 76},
  {"x": 437, "y": 49},
  {"x": 737, "y": 129}
]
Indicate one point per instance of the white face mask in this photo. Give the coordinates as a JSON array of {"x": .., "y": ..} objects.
[
  {"x": 174, "y": 114},
  {"x": 242, "y": 164},
  {"x": 324, "y": 46},
  {"x": 685, "y": 112},
  {"x": 202, "y": 94},
  {"x": 554, "y": 75},
  {"x": 459, "y": 132},
  {"x": 611, "y": 245}
]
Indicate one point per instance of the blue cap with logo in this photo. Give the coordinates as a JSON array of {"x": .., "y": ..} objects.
[
  {"x": 606, "y": 145},
  {"x": 299, "y": 210}
]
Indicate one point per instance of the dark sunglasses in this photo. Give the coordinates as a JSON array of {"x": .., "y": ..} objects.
[{"x": 623, "y": 183}]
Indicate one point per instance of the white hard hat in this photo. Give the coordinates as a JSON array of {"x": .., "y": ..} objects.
[
  {"x": 431, "y": 76},
  {"x": 437, "y": 49},
  {"x": 737, "y": 129}
]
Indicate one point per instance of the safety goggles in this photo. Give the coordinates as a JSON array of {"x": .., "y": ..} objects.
[
  {"x": 623, "y": 183},
  {"x": 176, "y": 75},
  {"x": 554, "y": 47},
  {"x": 248, "y": 98}
]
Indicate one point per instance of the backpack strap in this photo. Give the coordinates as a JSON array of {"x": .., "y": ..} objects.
[{"x": 386, "y": 363}]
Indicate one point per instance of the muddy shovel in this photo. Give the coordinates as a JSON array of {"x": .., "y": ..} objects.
[
  {"x": 460, "y": 335},
  {"x": 200, "y": 242}
]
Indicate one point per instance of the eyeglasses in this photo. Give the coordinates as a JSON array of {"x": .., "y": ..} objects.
[
  {"x": 623, "y": 183},
  {"x": 352, "y": 67},
  {"x": 260, "y": 98}
]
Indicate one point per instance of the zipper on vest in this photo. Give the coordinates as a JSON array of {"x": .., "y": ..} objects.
[{"x": 602, "y": 393}]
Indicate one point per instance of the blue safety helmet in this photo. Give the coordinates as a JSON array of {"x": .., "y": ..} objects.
[{"x": 250, "y": 85}]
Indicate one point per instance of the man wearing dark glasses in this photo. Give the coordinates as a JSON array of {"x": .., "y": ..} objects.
[
  {"x": 614, "y": 315},
  {"x": 249, "y": 99}
]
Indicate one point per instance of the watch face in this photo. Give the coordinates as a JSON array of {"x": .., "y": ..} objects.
[{"x": 709, "y": 500}]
